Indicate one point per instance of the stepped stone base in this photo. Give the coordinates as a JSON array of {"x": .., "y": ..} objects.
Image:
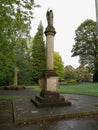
[
  {"x": 50, "y": 99},
  {"x": 49, "y": 95}
]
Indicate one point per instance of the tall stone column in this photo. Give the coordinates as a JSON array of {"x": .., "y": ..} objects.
[
  {"x": 51, "y": 78},
  {"x": 50, "y": 48},
  {"x": 49, "y": 95}
]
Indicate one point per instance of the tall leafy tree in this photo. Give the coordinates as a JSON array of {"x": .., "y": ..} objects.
[
  {"x": 22, "y": 62},
  {"x": 38, "y": 54},
  {"x": 15, "y": 20},
  {"x": 86, "y": 46},
  {"x": 58, "y": 65}
]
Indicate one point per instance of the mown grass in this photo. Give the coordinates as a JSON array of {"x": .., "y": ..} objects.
[
  {"x": 11, "y": 97},
  {"x": 85, "y": 88}
]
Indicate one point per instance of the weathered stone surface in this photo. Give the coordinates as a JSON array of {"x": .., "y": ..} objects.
[
  {"x": 51, "y": 84},
  {"x": 26, "y": 113},
  {"x": 5, "y": 112},
  {"x": 49, "y": 52},
  {"x": 30, "y": 113},
  {"x": 50, "y": 99}
]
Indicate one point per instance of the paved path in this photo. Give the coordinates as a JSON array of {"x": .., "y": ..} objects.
[
  {"x": 21, "y": 92},
  {"x": 23, "y": 107}
]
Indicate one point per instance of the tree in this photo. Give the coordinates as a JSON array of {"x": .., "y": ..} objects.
[
  {"x": 58, "y": 65},
  {"x": 15, "y": 20},
  {"x": 69, "y": 73},
  {"x": 22, "y": 62},
  {"x": 80, "y": 74},
  {"x": 86, "y": 46},
  {"x": 83, "y": 74},
  {"x": 38, "y": 54},
  {"x": 6, "y": 63}
]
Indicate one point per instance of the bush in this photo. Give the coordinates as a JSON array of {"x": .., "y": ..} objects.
[{"x": 72, "y": 81}]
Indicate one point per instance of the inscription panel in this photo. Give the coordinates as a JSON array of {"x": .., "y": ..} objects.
[{"x": 52, "y": 84}]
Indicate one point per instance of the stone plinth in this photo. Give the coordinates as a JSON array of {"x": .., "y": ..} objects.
[
  {"x": 50, "y": 81},
  {"x": 51, "y": 84},
  {"x": 49, "y": 95}
]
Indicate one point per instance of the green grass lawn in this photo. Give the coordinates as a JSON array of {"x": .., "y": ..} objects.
[
  {"x": 11, "y": 96},
  {"x": 85, "y": 88}
]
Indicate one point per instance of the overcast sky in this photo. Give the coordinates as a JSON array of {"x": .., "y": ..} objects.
[{"x": 68, "y": 15}]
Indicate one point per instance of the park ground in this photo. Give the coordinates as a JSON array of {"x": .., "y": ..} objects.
[{"x": 17, "y": 112}]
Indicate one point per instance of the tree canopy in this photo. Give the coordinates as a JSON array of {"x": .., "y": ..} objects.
[
  {"x": 58, "y": 65},
  {"x": 15, "y": 21},
  {"x": 38, "y": 54},
  {"x": 86, "y": 45},
  {"x": 69, "y": 72}
]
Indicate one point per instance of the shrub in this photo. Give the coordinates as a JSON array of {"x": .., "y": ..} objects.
[{"x": 72, "y": 81}]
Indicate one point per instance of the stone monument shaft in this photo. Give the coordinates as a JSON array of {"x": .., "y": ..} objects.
[
  {"x": 50, "y": 32},
  {"x": 49, "y": 52}
]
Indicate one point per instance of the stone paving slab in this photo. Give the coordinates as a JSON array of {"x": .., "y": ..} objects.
[
  {"x": 26, "y": 113},
  {"x": 78, "y": 102},
  {"x": 5, "y": 111},
  {"x": 6, "y": 118}
]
